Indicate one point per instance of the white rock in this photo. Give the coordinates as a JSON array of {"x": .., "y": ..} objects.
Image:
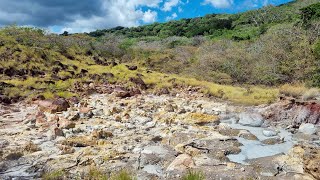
[
  {"x": 181, "y": 163},
  {"x": 224, "y": 126},
  {"x": 269, "y": 132},
  {"x": 251, "y": 119},
  {"x": 307, "y": 129}
]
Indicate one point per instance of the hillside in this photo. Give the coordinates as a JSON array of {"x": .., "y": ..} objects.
[{"x": 266, "y": 47}]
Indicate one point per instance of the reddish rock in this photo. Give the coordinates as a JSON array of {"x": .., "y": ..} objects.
[
  {"x": 60, "y": 104},
  {"x": 121, "y": 92},
  {"x": 57, "y": 105},
  {"x": 74, "y": 100},
  {"x": 41, "y": 119},
  {"x": 86, "y": 112},
  {"x": 292, "y": 112},
  {"x": 139, "y": 82},
  {"x": 134, "y": 91},
  {"x": 66, "y": 124}
]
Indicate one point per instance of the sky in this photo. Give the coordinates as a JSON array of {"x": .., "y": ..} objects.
[{"x": 88, "y": 15}]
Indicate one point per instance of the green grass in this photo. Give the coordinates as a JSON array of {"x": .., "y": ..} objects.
[
  {"x": 250, "y": 95},
  {"x": 193, "y": 175},
  {"x": 55, "y": 175}
]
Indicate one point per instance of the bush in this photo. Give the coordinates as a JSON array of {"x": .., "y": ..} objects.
[
  {"x": 193, "y": 175},
  {"x": 311, "y": 94},
  {"x": 55, "y": 175},
  {"x": 296, "y": 90},
  {"x": 122, "y": 175}
]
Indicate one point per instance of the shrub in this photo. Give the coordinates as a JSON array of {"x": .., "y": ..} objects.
[
  {"x": 293, "y": 90},
  {"x": 55, "y": 175},
  {"x": 311, "y": 94},
  {"x": 193, "y": 175},
  {"x": 96, "y": 174},
  {"x": 122, "y": 175}
]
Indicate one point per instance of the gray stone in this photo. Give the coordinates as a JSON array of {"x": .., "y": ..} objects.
[
  {"x": 269, "y": 133},
  {"x": 251, "y": 119},
  {"x": 307, "y": 129},
  {"x": 153, "y": 169},
  {"x": 4, "y": 143}
]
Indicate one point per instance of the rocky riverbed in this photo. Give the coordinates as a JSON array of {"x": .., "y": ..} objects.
[{"x": 158, "y": 137}]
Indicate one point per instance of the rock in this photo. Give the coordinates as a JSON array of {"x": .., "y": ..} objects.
[
  {"x": 79, "y": 141},
  {"x": 307, "y": 129},
  {"x": 74, "y": 100},
  {"x": 205, "y": 160},
  {"x": 273, "y": 141},
  {"x": 101, "y": 134},
  {"x": 292, "y": 162},
  {"x": 247, "y": 135},
  {"x": 169, "y": 108},
  {"x": 55, "y": 106},
  {"x": 251, "y": 119},
  {"x": 66, "y": 124},
  {"x": 201, "y": 119},
  {"x": 60, "y": 104},
  {"x": 132, "y": 68},
  {"x": 269, "y": 133},
  {"x": 41, "y": 119},
  {"x": 163, "y": 91},
  {"x": 54, "y": 133},
  {"x": 73, "y": 116},
  {"x": 181, "y": 111},
  {"x": 181, "y": 163},
  {"x": 98, "y": 112},
  {"x": 223, "y": 126},
  {"x": 121, "y": 92},
  {"x": 153, "y": 169},
  {"x": 4, "y": 99},
  {"x": 192, "y": 151},
  {"x": 3, "y": 143},
  {"x": 139, "y": 82},
  {"x": 311, "y": 161},
  {"x": 86, "y": 112}
]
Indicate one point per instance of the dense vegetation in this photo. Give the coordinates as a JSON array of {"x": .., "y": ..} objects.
[{"x": 270, "y": 47}]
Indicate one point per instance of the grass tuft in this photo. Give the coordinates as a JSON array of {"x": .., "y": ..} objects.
[{"x": 193, "y": 175}]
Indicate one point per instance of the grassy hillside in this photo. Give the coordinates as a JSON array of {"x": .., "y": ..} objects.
[{"x": 233, "y": 57}]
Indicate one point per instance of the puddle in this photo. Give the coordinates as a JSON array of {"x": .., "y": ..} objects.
[{"x": 253, "y": 149}]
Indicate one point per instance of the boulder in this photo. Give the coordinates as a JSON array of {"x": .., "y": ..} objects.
[
  {"x": 86, "y": 112},
  {"x": 121, "y": 92},
  {"x": 269, "y": 133},
  {"x": 139, "y": 82},
  {"x": 307, "y": 129},
  {"x": 66, "y": 124},
  {"x": 181, "y": 163},
  {"x": 4, "y": 143},
  {"x": 5, "y": 99},
  {"x": 60, "y": 104},
  {"x": 251, "y": 119},
  {"x": 132, "y": 68},
  {"x": 201, "y": 119}
]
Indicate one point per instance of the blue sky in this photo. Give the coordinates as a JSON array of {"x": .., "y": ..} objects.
[
  {"x": 88, "y": 15},
  {"x": 194, "y": 8}
]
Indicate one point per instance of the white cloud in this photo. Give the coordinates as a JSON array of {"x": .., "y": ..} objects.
[
  {"x": 220, "y": 3},
  {"x": 117, "y": 13},
  {"x": 149, "y": 16},
  {"x": 169, "y": 4},
  {"x": 173, "y": 16}
]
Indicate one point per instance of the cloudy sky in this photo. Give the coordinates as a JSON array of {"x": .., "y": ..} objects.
[{"x": 89, "y": 15}]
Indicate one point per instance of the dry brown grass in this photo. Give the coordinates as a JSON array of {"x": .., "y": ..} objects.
[{"x": 294, "y": 90}]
